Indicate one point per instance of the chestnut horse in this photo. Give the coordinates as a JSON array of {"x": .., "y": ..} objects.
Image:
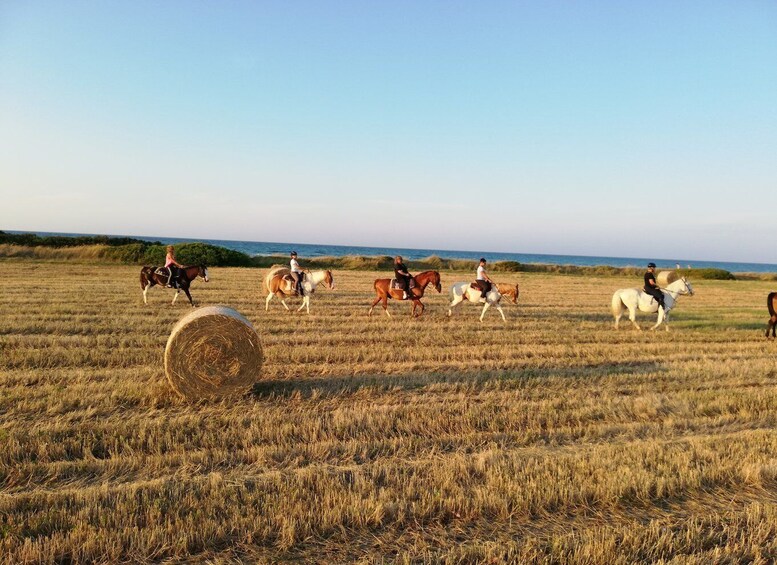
[
  {"x": 509, "y": 290},
  {"x": 771, "y": 304},
  {"x": 149, "y": 277},
  {"x": 384, "y": 291}
]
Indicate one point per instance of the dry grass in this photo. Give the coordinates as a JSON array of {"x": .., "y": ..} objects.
[{"x": 551, "y": 438}]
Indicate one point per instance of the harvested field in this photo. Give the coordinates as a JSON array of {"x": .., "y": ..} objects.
[{"x": 551, "y": 438}]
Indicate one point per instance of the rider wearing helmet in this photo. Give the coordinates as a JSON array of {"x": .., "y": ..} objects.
[
  {"x": 296, "y": 273},
  {"x": 651, "y": 286}
]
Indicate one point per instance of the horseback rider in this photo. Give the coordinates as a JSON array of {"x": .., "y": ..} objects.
[
  {"x": 297, "y": 274},
  {"x": 402, "y": 275},
  {"x": 483, "y": 281},
  {"x": 651, "y": 286},
  {"x": 172, "y": 266}
]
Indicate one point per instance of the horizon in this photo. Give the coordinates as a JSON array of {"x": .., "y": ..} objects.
[
  {"x": 596, "y": 130},
  {"x": 682, "y": 260}
]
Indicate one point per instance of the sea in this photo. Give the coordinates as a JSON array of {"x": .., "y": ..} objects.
[{"x": 319, "y": 250}]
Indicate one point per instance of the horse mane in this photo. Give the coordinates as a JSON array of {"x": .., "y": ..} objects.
[{"x": 770, "y": 300}]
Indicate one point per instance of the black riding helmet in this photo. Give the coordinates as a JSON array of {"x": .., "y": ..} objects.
[
  {"x": 293, "y": 253},
  {"x": 651, "y": 265}
]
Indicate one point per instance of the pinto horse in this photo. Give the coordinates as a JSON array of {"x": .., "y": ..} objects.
[
  {"x": 462, "y": 291},
  {"x": 771, "y": 303},
  {"x": 384, "y": 291},
  {"x": 149, "y": 277},
  {"x": 277, "y": 284}
]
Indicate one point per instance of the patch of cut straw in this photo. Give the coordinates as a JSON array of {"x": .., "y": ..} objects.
[{"x": 213, "y": 352}]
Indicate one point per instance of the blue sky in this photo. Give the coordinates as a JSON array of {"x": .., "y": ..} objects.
[{"x": 594, "y": 128}]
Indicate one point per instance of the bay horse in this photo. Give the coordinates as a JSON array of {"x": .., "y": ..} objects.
[
  {"x": 635, "y": 299},
  {"x": 150, "y": 277},
  {"x": 771, "y": 304},
  {"x": 384, "y": 291},
  {"x": 462, "y": 291},
  {"x": 277, "y": 285}
]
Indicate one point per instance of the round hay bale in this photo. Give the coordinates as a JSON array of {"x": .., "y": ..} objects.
[
  {"x": 213, "y": 352},
  {"x": 665, "y": 278}
]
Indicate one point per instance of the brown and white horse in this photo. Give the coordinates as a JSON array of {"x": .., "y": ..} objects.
[
  {"x": 384, "y": 291},
  {"x": 149, "y": 277},
  {"x": 276, "y": 284},
  {"x": 462, "y": 291},
  {"x": 771, "y": 304}
]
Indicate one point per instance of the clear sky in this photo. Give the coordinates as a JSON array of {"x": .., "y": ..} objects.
[{"x": 594, "y": 128}]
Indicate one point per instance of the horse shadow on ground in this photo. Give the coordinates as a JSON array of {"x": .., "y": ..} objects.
[{"x": 343, "y": 385}]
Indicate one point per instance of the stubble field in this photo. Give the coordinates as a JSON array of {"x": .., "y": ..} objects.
[{"x": 549, "y": 438}]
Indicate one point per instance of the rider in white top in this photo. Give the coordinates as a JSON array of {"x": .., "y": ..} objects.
[
  {"x": 296, "y": 273},
  {"x": 483, "y": 281}
]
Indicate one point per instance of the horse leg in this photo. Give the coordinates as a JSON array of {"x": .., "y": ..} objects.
[
  {"x": 374, "y": 302},
  {"x": 267, "y": 301},
  {"x": 772, "y": 326},
  {"x": 175, "y": 296},
  {"x": 499, "y": 308},
  {"x": 188, "y": 295},
  {"x": 456, "y": 301},
  {"x": 148, "y": 285},
  {"x": 633, "y": 318},
  {"x": 483, "y": 313},
  {"x": 660, "y": 319},
  {"x": 385, "y": 306},
  {"x": 282, "y": 298}
]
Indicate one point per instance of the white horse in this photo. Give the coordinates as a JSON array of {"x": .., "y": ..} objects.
[
  {"x": 461, "y": 291},
  {"x": 634, "y": 298},
  {"x": 277, "y": 285}
]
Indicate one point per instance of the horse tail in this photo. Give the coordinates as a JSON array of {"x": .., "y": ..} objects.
[
  {"x": 770, "y": 300},
  {"x": 617, "y": 304}
]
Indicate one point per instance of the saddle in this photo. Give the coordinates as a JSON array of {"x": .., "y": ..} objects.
[
  {"x": 396, "y": 285},
  {"x": 166, "y": 272},
  {"x": 290, "y": 281}
]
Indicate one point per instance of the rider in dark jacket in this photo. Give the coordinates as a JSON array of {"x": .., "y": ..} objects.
[
  {"x": 402, "y": 275},
  {"x": 651, "y": 287}
]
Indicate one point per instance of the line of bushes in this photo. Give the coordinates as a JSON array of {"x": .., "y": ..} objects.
[
  {"x": 386, "y": 263},
  {"x": 34, "y": 240},
  {"x": 195, "y": 253},
  {"x": 139, "y": 252}
]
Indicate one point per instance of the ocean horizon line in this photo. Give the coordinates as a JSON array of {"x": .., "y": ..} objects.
[{"x": 269, "y": 248}]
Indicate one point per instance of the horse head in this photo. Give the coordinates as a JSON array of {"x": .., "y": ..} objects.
[
  {"x": 202, "y": 271},
  {"x": 435, "y": 280},
  {"x": 688, "y": 287},
  {"x": 329, "y": 280},
  {"x": 515, "y": 293}
]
